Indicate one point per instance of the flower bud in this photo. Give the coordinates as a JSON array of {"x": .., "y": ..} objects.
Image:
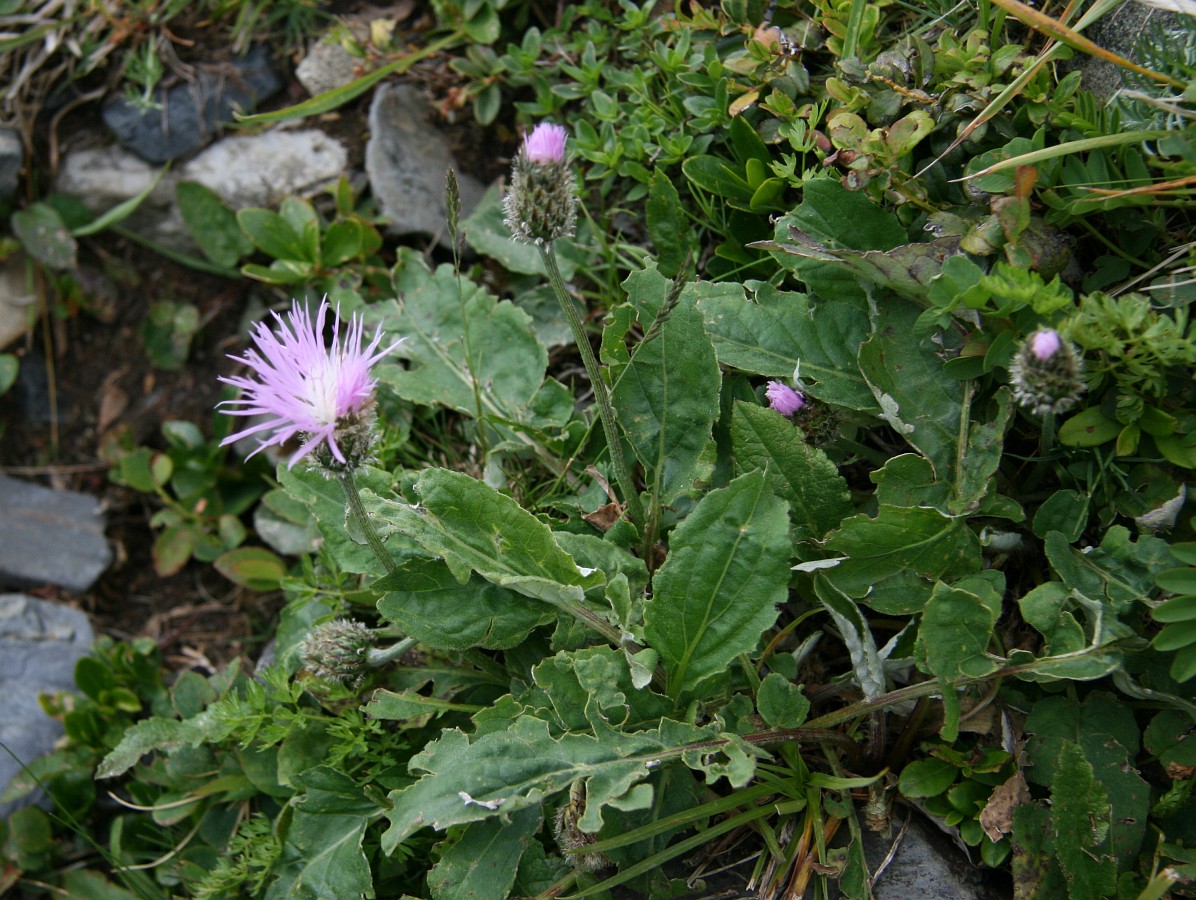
[
  {"x": 540, "y": 205},
  {"x": 546, "y": 144},
  {"x": 1047, "y": 374},
  {"x": 1044, "y": 344},
  {"x": 571, "y": 838},
  {"x": 337, "y": 651}
]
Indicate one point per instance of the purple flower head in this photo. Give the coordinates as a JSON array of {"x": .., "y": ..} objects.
[
  {"x": 540, "y": 205},
  {"x": 1045, "y": 343},
  {"x": 546, "y": 144},
  {"x": 783, "y": 398},
  {"x": 305, "y": 388}
]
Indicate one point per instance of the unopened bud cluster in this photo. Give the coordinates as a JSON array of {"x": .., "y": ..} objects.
[
  {"x": 572, "y": 840},
  {"x": 1047, "y": 374},
  {"x": 337, "y": 651},
  {"x": 540, "y": 205}
]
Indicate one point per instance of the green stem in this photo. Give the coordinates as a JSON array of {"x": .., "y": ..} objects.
[
  {"x": 1047, "y": 439},
  {"x": 937, "y": 686},
  {"x": 379, "y": 657},
  {"x": 452, "y": 199},
  {"x": 1046, "y": 443},
  {"x": 606, "y": 412},
  {"x": 357, "y": 510}
]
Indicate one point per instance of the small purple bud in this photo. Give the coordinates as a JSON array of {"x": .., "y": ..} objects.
[
  {"x": 1045, "y": 343},
  {"x": 1047, "y": 374},
  {"x": 546, "y": 144},
  {"x": 783, "y": 398}
]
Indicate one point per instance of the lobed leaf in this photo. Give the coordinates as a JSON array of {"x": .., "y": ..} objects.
[
  {"x": 832, "y": 217},
  {"x": 1104, "y": 729},
  {"x": 456, "y": 334},
  {"x": 781, "y": 703},
  {"x": 474, "y": 528},
  {"x": 323, "y": 840},
  {"x": 1080, "y": 823},
  {"x": 956, "y": 629},
  {"x": 593, "y": 686},
  {"x": 518, "y": 768},
  {"x": 157, "y": 735},
  {"x": 924, "y": 407},
  {"x": 427, "y": 602},
  {"x": 980, "y": 449},
  {"x": 483, "y": 859},
  {"x": 914, "y": 541},
  {"x": 666, "y": 223},
  {"x": 1120, "y": 571},
  {"x": 325, "y": 498}
]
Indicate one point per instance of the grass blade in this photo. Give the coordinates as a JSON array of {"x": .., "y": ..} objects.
[{"x": 330, "y": 100}]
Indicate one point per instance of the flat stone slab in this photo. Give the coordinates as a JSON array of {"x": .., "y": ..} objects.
[
  {"x": 406, "y": 161},
  {"x": 185, "y": 117},
  {"x": 12, "y": 159},
  {"x": 40, "y": 642},
  {"x": 245, "y": 170},
  {"x": 16, "y": 300},
  {"x": 50, "y": 537},
  {"x": 926, "y": 866}
]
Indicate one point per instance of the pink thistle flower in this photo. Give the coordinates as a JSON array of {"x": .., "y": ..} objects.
[
  {"x": 784, "y": 399},
  {"x": 546, "y": 144},
  {"x": 305, "y": 388},
  {"x": 1045, "y": 343}
]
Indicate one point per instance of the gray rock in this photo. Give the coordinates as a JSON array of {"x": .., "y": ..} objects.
[
  {"x": 250, "y": 170},
  {"x": 190, "y": 114},
  {"x": 16, "y": 300},
  {"x": 12, "y": 158},
  {"x": 40, "y": 642},
  {"x": 328, "y": 65},
  {"x": 926, "y": 865},
  {"x": 49, "y": 536},
  {"x": 261, "y": 170},
  {"x": 1120, "y": 32},
  {"x": 33, "y": 400},
  {"x": 406, "y": 160}
]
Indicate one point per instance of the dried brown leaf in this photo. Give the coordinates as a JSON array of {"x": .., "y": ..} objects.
[{"x": 997, "y": 816}]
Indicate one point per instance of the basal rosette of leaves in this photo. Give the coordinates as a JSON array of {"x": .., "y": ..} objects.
[
  {"x": 692, "y": 695},
  {"x": 909, "y": 595}
]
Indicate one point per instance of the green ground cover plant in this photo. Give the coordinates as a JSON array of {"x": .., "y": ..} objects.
[{"x": 869, "y": 492}]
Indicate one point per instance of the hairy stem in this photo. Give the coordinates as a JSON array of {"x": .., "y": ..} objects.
[
  {"x": 357, "y": 511},
  {"x": 606, "y": 412}
]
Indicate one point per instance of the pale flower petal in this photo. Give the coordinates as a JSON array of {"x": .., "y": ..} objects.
[
  {"x": 783, "y": 398},
  {"x": 307, "y": 388}
]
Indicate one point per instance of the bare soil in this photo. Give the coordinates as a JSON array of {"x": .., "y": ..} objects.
[
  {"x": 96, "y": 390},
  {"x": 87, "y": 386}
]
